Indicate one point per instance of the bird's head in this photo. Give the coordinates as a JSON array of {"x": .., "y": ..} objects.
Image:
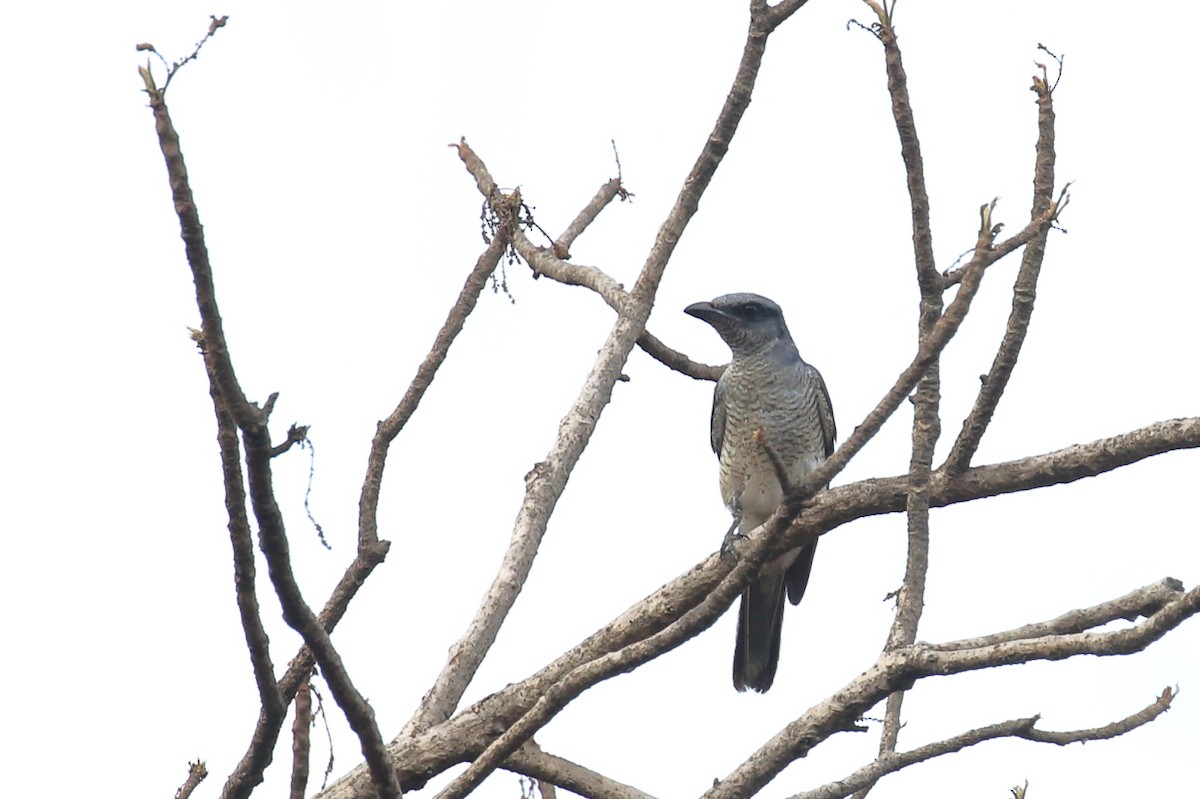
[{"x": 748, "y": 323}]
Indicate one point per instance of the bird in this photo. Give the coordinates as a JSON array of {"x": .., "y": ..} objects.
[{"x": 771, "y": 412}]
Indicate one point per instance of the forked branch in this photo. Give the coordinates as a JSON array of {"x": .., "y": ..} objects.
[{"x": 545, "y": 483}]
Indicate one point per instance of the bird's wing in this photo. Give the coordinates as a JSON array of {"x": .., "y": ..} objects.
[
  {"x": 825, "y": 413},
  {"x": 717, "y": 433}
]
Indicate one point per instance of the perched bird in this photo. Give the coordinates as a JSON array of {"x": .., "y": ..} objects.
[{"x": 771, "y": 412}]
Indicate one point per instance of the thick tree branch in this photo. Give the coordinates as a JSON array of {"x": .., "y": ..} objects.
[
  {"x": 890, "y": 763},
  {"x": 623, "y": 660},
  {"x": 471, "y": 730}
]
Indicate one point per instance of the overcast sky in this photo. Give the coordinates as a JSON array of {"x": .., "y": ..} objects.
[{"x": 341, "y": 226}]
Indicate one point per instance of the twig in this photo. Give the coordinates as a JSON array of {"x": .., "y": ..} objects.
[
  {"x": 196, "y": 773},
  {"x": 307, "y": 444},
  {"x": 320, "y": 711},
  {"x": 677, "y": 361},
  {"x": 606, "y": 194},
  {"x": 215, "y": 24},
  {"x": 297, "y": 434},
  {"x": 1059, "y": 60}
]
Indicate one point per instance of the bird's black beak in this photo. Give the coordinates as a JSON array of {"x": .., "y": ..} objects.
[{"x": 705, "y": 311}]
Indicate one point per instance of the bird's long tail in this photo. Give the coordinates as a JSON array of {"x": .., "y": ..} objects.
[{"x": 760, "y": 621}]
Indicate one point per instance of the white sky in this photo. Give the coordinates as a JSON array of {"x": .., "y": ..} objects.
[{"x": 341, "y": 227}]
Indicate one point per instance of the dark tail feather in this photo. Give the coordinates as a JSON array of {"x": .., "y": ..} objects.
[
  {"x": 760, "y": 622},
  {"x": 798, "y": 572}
]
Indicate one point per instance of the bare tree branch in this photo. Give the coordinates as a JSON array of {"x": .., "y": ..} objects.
[
  {"x": 368, "y": 505},
  {"x": 926, "y": 418},
  {"x": 301, "y": 741},
  {"x": 678, "y": 361},
  {"x": 1116, "y": 728},
  {"x": 928, "y": 352},
  {"x": 531, "y": 761},
  {"x": 196, "y": 773},
  {"x": 891, "y": 762},
  {"x": 1024, "y": 292},
  {"x": 468, "y": 733},
  {"x": 242, "y": 541},
  {"x": 608, "y": 665},
  {"x": 607, "y": 193},
  {"x": 545, "y": 483},
  {"x": 252, "y": 422},
  {"x": 372, "y": 550},
  {"x": 900, "y": 668},
  {"x": 496, "y": 731},
  {"x": 927, "y": 424},
  {"x": 1144, "y": 601},
  {"x": 296, "y": 612}
]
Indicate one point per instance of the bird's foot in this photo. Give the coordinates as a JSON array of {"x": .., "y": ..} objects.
[{"x": 732, "y": 535}]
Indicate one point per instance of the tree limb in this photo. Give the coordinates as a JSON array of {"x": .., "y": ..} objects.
[
  {"x": 889, "y": 763},
  {"x": 1024, "y": 292},
  {"x": 1144, "y": 601},
  {"x": 901, "y": 668},
  {"x": 927, "y": 423},
  {"x": 546, "y": 481},
  {"x": 606, "y": 194},
  {"x": 301, "y": 741},
  {"x": 471, "y": 730},
  {"x": 531, "y": 761}
]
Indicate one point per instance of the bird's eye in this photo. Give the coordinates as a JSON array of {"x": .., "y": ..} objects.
[{"x": 750, "y": 310}]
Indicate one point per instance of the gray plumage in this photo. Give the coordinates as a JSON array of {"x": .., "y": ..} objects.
[{"x": 768, "y": 387}]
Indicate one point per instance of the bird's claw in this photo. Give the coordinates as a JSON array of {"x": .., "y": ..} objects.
[{"x": 732, "y": 535}]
